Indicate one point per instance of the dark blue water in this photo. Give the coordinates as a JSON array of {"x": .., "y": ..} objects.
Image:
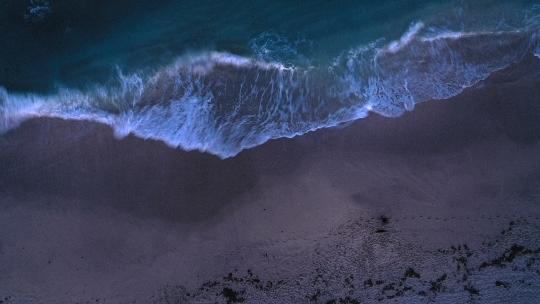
[{"x": 224, "y": 76}]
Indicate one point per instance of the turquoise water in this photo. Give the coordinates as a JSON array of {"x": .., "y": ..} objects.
[{"x": 222, "y": 76}]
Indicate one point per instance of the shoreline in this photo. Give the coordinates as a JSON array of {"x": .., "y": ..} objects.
[{"x": 89, "y": 215}]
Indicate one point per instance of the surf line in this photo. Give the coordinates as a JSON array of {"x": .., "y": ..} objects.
[{"x": 220, "y": 103}]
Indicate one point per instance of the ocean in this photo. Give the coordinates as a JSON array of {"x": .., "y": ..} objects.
[{"x": 209, "y": 151}]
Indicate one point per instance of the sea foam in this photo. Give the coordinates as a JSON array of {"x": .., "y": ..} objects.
[{"x": 222, "y": 103}]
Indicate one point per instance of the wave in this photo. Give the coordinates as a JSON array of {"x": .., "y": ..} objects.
[{"x": 221, "y": 103}]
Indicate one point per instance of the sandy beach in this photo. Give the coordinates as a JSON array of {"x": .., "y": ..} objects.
[{"x": 441, "y": 204}]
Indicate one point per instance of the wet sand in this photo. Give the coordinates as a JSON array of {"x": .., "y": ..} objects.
[{"x": 380, "y": 210}]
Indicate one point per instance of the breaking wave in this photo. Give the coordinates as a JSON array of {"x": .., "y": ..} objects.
[{"x": 221, "y": 103}]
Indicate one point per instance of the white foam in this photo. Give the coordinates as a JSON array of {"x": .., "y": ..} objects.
[
  {"x": 38, "y": 10},
  {"x": 459, "y": 35},
  {"x": 409, "y": 35},
  {"x": 276, "y": 48},
  {"x": 242, "y": 104}
]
